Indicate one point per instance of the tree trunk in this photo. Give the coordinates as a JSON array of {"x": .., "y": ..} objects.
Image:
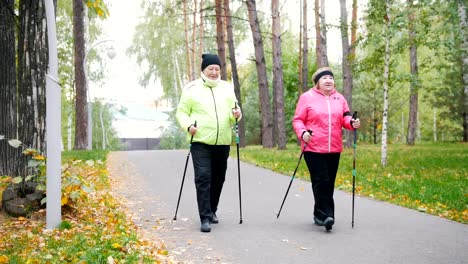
[
  {"x": 464, "y": 65},
  {"x": 301, "y": 30},
  {"x": 201, "y": 33},
  {"x": 235, "y": 74},
  {"x": 305, "y": 50},
  {"x": 353, "y": 33},
  {"x": 346, "y": 66},
  {"x": 386, "y": 73},
  {"x": 8, "y": 122},
  {"x": 413, "y": 100},
  {"x": 195, "y": 57},
  {"x": 81, "y": 111},
  {"x": 187, "y": 46},
  {"x": 321, "y": 34},
  {"x": 267, "y": 125},
  {"x": 278, "y": 89},
  {"x": 220, "y": 37},
  {"x": 32, "y": 69}
]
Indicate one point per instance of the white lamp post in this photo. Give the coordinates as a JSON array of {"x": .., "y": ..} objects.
[
  {"x": 53, "y": 122},
  {"x": 111, "y": 54}
]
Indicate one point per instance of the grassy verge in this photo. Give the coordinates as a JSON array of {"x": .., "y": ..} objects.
[
  {"x": 95, "y": 230},
  {"x": 431, "y": 178}
]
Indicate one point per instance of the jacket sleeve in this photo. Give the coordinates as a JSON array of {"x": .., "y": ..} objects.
[
  {"x": 347, "y": 116},
  {"x": 184, "y": 110},
  {"x": 300, "y": 116}
]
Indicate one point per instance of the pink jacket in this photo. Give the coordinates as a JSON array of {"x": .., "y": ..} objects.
[{"x": 325, "y": 116}]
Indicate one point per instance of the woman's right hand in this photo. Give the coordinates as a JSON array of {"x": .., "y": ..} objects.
[
  {"x": 306, "y": 136},
  {"x": 192, "y": 130}
]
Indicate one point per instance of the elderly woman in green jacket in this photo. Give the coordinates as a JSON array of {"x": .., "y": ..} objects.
[{"x": 207, "y": 111}]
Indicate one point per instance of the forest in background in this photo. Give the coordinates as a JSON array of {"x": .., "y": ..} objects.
[{"x": 404, "y": 67}]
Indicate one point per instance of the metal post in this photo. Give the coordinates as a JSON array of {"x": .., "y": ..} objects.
[{"x": 53, "y": 125}]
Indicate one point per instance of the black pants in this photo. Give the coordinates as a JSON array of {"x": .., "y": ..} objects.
[
  {"x": 323, "y": 168},
  {"x": 210, "y": 164}
]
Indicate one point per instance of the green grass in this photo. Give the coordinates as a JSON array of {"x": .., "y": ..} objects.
[{"x": 431, "y": 178}]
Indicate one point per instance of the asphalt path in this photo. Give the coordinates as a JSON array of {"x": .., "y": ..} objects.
[{"x": 382, "y": 233}]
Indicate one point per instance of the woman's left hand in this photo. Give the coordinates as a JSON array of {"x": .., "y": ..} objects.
[
  {"x": 236, "y": 112},
  {"x": 355, "y": 123}
]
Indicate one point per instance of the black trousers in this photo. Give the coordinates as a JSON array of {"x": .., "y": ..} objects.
[
  {"x": 210, "y": 164},
  {"x": 323, "y": 168}
]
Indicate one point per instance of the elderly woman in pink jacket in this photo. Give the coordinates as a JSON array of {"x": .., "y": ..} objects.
[{"x": 324, "y": 112}]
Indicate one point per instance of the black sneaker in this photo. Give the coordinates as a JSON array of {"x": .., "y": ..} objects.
[
  {"x": 328, "y": 223},
  {"x": 205, "y": 226},
  {"x": 214, "y": 219}
]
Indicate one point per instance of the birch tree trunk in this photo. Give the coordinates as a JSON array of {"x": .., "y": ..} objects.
[
  {"x": 278, "y": 90},
  {"x": 8, "y": 97},
  {"x": 387, "y": 33},
  {"x": 267, "y": 124},
  {"x": 220, "y": 37},
  {"x": 413, "y": 99},
  {"x": 81, "y": 111},
  {"x": 464, "y": 64},
  {"x": 235, "y": 74}
]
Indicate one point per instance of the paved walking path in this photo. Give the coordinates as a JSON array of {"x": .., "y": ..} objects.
[{"x": 383, "y": 233}]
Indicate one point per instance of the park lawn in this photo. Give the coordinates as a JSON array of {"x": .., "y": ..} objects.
[
  {"x": 431, "y": 178},
  {"x": 96, "y": 230}
]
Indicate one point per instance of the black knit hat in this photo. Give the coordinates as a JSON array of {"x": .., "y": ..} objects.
[
  {"x": 321, "y": 72},
  {"x": 209, "y": 59}
]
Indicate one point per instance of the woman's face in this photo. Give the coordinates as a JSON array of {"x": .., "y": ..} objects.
[
  {"x": 212, "y": 72},
  {"x": 326, "y": 84}
]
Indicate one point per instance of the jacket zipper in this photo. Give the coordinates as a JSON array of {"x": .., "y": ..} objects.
[
  {"x": 216, "y": 112},
  {"x": 329, "y": 124}
]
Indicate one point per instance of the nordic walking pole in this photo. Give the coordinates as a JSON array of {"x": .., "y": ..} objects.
[
  {"x": 292, "y": 178},
  {"x": 238, "y": 167},
  {"x": 183, "y": 177},
  {"x": 354, "y": 168}
]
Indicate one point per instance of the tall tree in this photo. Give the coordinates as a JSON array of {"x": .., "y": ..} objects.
[
  {"x": 278, "y": 88},
  {"x": 32, "y": 69},
  {"x": 305, "y": 50},
  {"x": 8, "y": 123},
  {"x": 267, "y": 123},
  {"x": 188, "y": 63},
  {"x": 220, "y": 41},
  {"x": 463, "y": 25},
  {"x": 301, "y": 31},
  {"x": 386, "y": 73},
  {"x": 346, "y": 64},
  {"x": 353, "y": 31},
  {"x": 321, "y": 34},
  {"x": 235, "y": 74},
  {"x": 414, "y": 83},
  {"x": 81, "y": 111}
]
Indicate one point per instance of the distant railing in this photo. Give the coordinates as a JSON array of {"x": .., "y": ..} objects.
[{"x": 140, "y": 143}]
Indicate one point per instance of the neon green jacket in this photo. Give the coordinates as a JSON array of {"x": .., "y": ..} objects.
[{"x": 211, "y": 108}]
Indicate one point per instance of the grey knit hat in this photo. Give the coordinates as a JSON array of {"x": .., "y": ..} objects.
[{"x": 321, "y": 72}]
